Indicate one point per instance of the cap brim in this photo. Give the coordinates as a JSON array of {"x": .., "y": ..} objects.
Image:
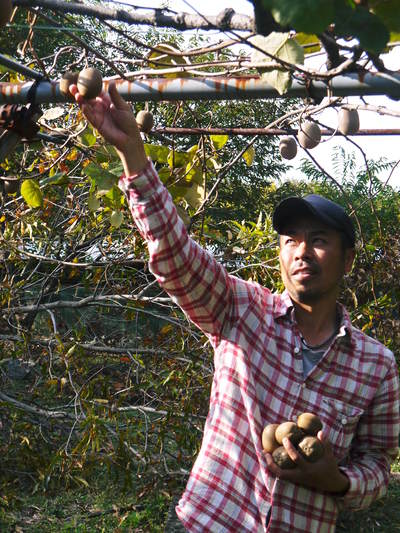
[{"x": 290, "y": 208}]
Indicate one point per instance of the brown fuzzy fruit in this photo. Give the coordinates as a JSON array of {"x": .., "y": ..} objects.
[
  {"x": 90, "y": 83},
  {"x": 269, "y": 442},
  {"x": 349, "y": 121},
  {"x": 145, "y": 121},
  {"x": 289, "y": 430},
  {"x": 6, "y": 10},
  {"x": 282, "y": 459},
  {"x": 311, "y": 448},
  {"x": 288, "y": 147},
  {"x": 68, "y": 78},
  {"x": 309, "y": 423},
  {"x": 309, "y": 134},
  {"x": 11, "y": 186}
]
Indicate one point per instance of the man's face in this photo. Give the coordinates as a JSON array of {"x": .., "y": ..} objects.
[{"x": 312, "y": 260}]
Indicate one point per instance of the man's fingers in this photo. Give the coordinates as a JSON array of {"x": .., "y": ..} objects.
[{"x": 116, "y": 98}]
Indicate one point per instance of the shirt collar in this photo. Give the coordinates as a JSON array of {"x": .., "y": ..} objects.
[{"x": 283, "y": 306}]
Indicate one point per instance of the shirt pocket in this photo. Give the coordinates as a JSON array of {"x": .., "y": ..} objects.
[{"x": 340, "y": 421}]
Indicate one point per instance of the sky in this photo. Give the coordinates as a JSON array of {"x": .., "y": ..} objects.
[{"x": 374, "y": 146}]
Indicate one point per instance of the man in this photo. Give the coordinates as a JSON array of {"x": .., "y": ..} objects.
[{"x": 276, "y": 356}]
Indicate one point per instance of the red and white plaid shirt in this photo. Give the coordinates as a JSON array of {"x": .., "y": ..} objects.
[{"x": 258, "y": 379}]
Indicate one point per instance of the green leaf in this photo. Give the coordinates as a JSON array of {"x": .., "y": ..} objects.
[
  {"x": 309, "y": 16},
  {"x": 178, "y": 159},
  {"x": 116, "y": 218},
  {"x": 31, "y": 193},
  {"x": 87, "y": 138},
  {"x": 93, "y": 203},
  {"x": 157, "y": 152},
  {"x": 306, "y": 40},
  {"x": 281, "y": 46},
  {"x": 219, "y": 141},
  {"x": 195, "y": 195},
  {"x": 363, "y": 25},
  {"x": 389, "y": 13},
  {"x": 248, "y": 155},
  {"x": 103, "y": 179},
  {"x": 193, "y": 173}
]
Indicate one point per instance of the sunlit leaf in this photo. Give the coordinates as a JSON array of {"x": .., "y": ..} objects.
[
  {"x": 281, "y": 46},
  {"x": 248, "y": 155},
  {"x": 31, "y": 193},
  {"x": 157, "y": 152},
  {"x": 163, "y": 58},
  {"x": 219, "y": 141}
]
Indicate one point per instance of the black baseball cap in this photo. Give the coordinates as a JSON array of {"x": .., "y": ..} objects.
[{"x": 332, "y": 214}]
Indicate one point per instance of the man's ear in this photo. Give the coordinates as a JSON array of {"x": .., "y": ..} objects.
[{"x": 349, "y": 255}]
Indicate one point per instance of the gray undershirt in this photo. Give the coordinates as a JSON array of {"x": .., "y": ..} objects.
[{"x": 310, "y": 358}]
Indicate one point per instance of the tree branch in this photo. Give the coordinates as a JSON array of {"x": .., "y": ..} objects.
[{"x": 155, "y": 17}]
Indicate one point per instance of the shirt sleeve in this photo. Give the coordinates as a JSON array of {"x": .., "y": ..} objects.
[
  {"x": 375, "y": 446},
  {"x": 190, "y": 275}
]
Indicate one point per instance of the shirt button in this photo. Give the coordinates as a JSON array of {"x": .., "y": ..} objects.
[
  {"x": 294, "y": 418},
  {"x": 303, "y": 386},
  {"x": 344, "y": 420},
  {"x": 297, "y": 349}
]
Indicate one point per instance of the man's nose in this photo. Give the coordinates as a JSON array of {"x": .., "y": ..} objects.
[{"x": 303, "y": 249}]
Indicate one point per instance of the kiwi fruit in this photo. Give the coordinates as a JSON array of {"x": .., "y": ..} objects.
[
  {"x": 309, "y": 423},
  {"x": 311, "y": 448},
  {"x": 6, "y": 9},
  {"x": 288, "y": 147},
  {"x": 269, "y": 442},
  {"x": 90, "y": 83},
  {"x": 282, "y": 459},
  {"x": 10, "y": 186},
  {"x": 289, "y": 430},
  {"x": 348, "y": 121},
  {"x": 309, "y": 134},
  {"x": 145, "y": 121},
  {"x": 68, "y": 78}
]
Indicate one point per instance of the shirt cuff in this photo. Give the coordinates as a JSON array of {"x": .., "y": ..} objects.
[
  {"x": 142, "y": 184},
  {"x": 353, "y": 493}
]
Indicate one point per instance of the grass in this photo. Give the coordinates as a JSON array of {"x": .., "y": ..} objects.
[{"x": 104, "y": 507}]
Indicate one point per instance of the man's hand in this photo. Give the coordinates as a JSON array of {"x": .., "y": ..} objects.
[
  {"x": 323, "y": 475},
  {"x": 114, "y": 119}
]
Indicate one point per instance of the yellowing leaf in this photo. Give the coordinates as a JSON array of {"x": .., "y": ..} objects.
[
  {"x": 219, "y": 141},
  {"x": 163, "y": 57},
  {"x": 248, "y": 155},
  {"x": 195, "y": 195},
  {"x": 31, "y": 193}
]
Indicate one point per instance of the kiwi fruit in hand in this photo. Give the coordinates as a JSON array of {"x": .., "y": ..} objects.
[
  {"x": 68, "y": 78},
  {"x": 269, "y": 442},
  {"x": 289, "y": 430},
  {"x": 311, "y": 448},
  {"x": 90, "y": 83},
  {"x": 309, "y": 423},
  {"x": 282, "y": 459},
  {"x": 302, "y": 435}
]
